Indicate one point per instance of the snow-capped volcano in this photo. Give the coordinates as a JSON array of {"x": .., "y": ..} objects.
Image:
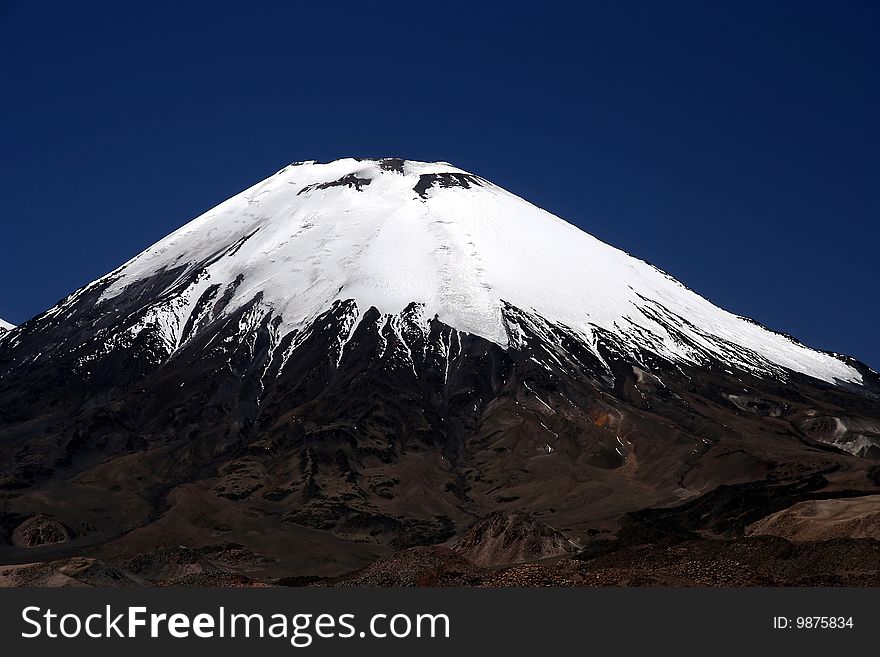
[
  {"x": 367, "y": 355},
  {"x": 390, "y": 233}
]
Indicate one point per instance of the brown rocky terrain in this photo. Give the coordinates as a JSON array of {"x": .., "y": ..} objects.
[
  {"x": 508, "y": 537},
  {"x": 823, "y": 520},
  {"x": 642, "y": 558}
]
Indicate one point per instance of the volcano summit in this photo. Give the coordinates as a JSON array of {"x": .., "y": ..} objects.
[{"x": 353, "y": 358}]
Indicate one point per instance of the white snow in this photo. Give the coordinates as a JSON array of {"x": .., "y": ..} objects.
[
  {"x": 460, "y": 252},
  {"x": 5, "y": 326}
]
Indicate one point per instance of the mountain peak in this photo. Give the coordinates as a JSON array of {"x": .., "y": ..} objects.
[
  {"x": 377, "y": 165},
  {"x": 389, "y": 232}
]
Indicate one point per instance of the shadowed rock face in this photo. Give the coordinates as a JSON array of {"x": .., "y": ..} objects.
[
  {"x": 428, "y": 180},
  {"x": 349, "y": 180}
]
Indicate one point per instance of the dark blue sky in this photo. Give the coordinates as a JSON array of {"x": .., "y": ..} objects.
[{"x": 735, "y": 145}]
